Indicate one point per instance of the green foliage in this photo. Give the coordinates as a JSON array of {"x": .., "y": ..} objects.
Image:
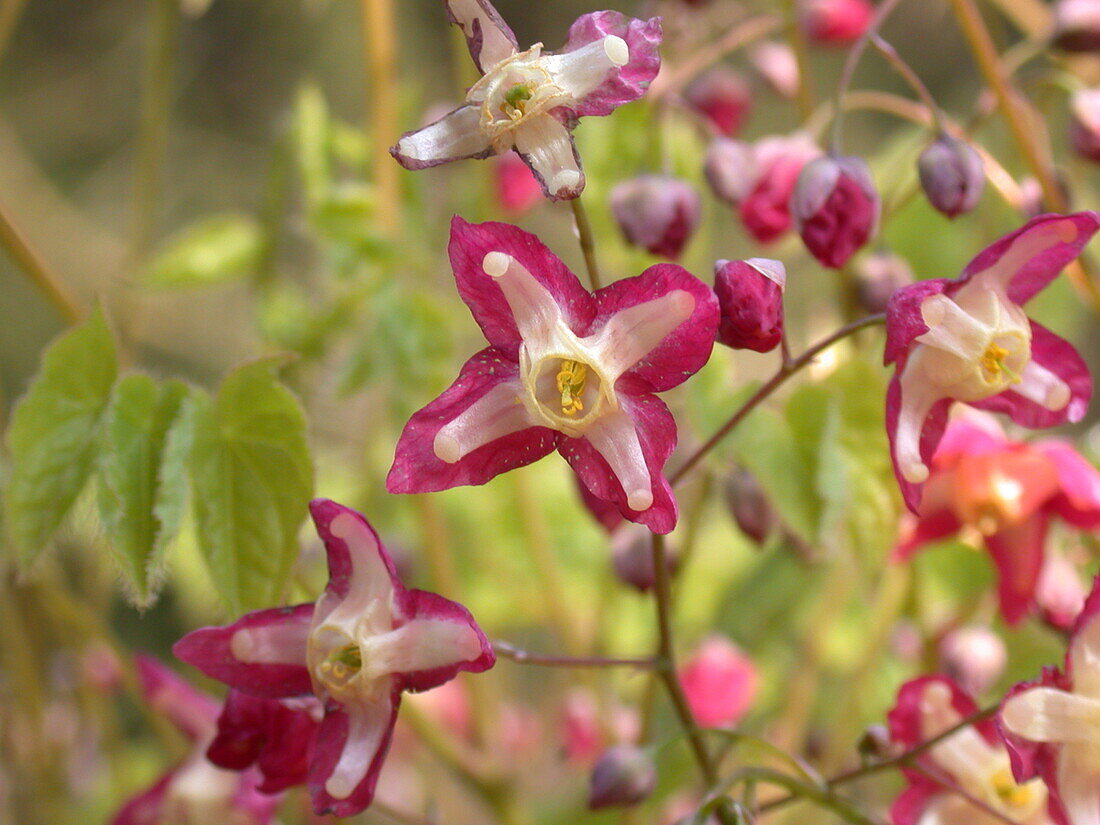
[
  {"x": 53, "y": 433},
  {"x": 251, "y": 478},
  {"x": 142, "y": 489},
  {"x": 213, "y": 249}
]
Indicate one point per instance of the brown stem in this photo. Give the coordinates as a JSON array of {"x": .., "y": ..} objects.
[
  {"x": 380, "y": 64},
  {"x": 911, "y": 77},
  {"x": 796, "y": 38},
  {"x": 15, "y": 244}
]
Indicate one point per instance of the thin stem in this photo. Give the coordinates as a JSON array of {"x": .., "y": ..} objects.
[
  {"x": 588, "y": 245},
  {"x": 525, "y": 657},
  {"x": 16, "y": 245},
  {"x": 912, "y": 78},
  {"x": 785, "y": 371},
  {"x": 796, "y": 38},
  {"x": 380, "y": 65},
  {"x": 849, "y": 70}
]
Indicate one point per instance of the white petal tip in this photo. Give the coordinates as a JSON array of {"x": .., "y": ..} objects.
[
  {"x": 1066, "y": 231},
  {"x": 337, "y": 787},
  {"x": 446, "y": 447},
  {"x": 242, "y": 645},
  {"x": 916, "y": 473},
  {"x": 616, "y": 49},
  {"x": 564, "y": 180},
  {"x": 1016, "y": 714},
  {"x": 682, "y": 303},
  {"x": 1058, "y": 397},
  {"x": 639, "y": 500},
  {"x": 495, "y": 265}
]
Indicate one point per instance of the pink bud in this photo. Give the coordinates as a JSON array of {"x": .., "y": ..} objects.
[
  {"x": 750, "y": 299},
  {"x": 1060, "y": 593},
  {"x": 516, "y": 187},
  {"x": 765, "y": 210},
  {"x": 1084, "y": 125},
  {"x": 951, "y": 175},
  {"x": 749, "y": 506},
  {"x": 880, "y": 275},
  {"x": 720, "y": 682},
  {"x": 1077, "y": 25},
  {"x": 632, "y": 558},
  {"x": 723, "y": 97},
  {"x": 835, "y": 207},
  {"x": 730, "y": 169},
  {"x": 973, "y": 656},
  {"x": 656, "y": 212},
  {"x": 835, "y": 22},
  {"x": 623, "y": 776},
  {"x": 778, "y": 65}
]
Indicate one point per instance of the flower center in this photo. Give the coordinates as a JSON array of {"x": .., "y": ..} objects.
[
  {"x": 571, "y": 380},
  {"x": 995, "y": 368},
  {"x": 515, "y": 101},
  {"x": 512, "y": 91},
  {"x": 1018, "y": 801},
  {"x": 342, "y": 665},
  {"x": 566, "y": 391}
]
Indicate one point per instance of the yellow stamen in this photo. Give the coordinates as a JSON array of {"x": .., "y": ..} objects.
[
  {"x": 993, "y": 363},
  {"x": 571, "y": 380},
  {"x": 343, "y": 664},
  {"x": 1011, "y": 794}
]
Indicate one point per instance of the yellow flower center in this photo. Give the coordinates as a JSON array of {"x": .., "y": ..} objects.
[
  {"x": 571, "y": 380},
  {"x": 993, "y": 365},
  {"x": 1013, "y": 797},
  {"x": 342, "y": 664},
  {"x": 514, "y": 105}
]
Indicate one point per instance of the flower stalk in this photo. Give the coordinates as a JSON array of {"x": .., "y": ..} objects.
[{"x": 587, "y": 242}]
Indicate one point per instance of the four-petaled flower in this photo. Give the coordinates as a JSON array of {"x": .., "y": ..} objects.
[
  {"x": 530, "y": 101},
  {"x": 1008, "y": 491},
  {"x": 1052, "y": 725},
  {"x": 566, "y": 369},
  {"x": 972, "y": 758},
  {"x": 968, "y": 339},
  {"x": 357, "y": 648}
]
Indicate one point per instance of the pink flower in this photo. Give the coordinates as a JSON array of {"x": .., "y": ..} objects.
[
  {"x": 974, "y": 656},
  {"x": 766, "y": 208},
  {"x": 530, "y": 101},
  {"x": 720, "y": 683},
  {"x": 1009, "y": 492},
  {"x": 968, "y": 339},
  {"x": 835, "y": 22},
  {"x": 973, "y": 758},
  {"x": 1051, "y": 726},
  {"x": 723, "y": 97},
  {"x": 750, "y": 299},
  {"x": 1084, "y": 126},
  {"x": 835, "y": 208},
  {"x": 586, "y": 734},
  {"x": 566, "y": 369},
  {"x": 357, "y": 648},
  {"x": 195, "y": 790},
  {"x": 516, "y": 187},
  {"x": 777, "y": 64},
  {"x": 656, "y": 212}
]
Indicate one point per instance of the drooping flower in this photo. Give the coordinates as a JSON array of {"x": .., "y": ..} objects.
[
  {"x": 530, "y": 101},
  {"x": 972, "y": 758},
  {"x": 750, "y": 300},
  {"x": 624, "y": 775},
  {"x": 951, "y": 174},
  {"x": 1051, "y": 725},
  {"x": 835, "y": 208},
  {"x": 195, "y": 790},
  {"x": 1008, "y": 492},
  {"x": 968, "y": 339},
  {"x": 357, "y": 648},
  {"x": 659, "y": 213},
  {"x": 720, "y": 682},
  {"x": 566, "y": 369}
]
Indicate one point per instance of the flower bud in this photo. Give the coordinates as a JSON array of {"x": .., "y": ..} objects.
[
  {"x": 835, "y": 22},
  {"x": 765, "y": 210},
  {"x": 1060, "y": 593},
  {"x": 516, "y": 187},
  {"x": 973, "y": 656},
  {"x": 632, "y": 558},
  {"x": 623, "y": 776},
  {"x": 878, "y": 276},
  {"x": 749, "y": 506},
  {"x": 656, "y": 212},
  {"x": 750, "y": 300},
  {"x": 1084, "y": 125},
  {"x": 723, "y": 97},
  {"x": 777, "y": 64},
  {"x": 730, "y": 169},
  {"x": 951, "y": 175},
  {"x": 875, "y": 745},
  {"x": 1077, "y": 25},
  {"x": 835, "y": 207},
  {"x": 719, "y": 682}
]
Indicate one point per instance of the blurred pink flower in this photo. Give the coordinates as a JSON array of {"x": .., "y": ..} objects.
[
  {"x": 723, "y": 97},
  {"x": 659, "y": 213},
  {"x": 835, "y": 22},
  {"x": 517, "y": 188},
  {"x": 720, "y": 683}
]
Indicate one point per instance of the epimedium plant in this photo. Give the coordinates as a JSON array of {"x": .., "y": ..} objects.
[{"x": 314, "y": 688}]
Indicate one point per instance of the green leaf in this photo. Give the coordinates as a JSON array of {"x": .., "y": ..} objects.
[
  {"x": 213, "y": 249},
  {"x": 251, "y": 479},
  {"x": 53, "y": 432},
  {"x": 142, "y": 490}
]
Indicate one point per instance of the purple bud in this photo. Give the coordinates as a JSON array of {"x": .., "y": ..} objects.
[
  {"x": 1084, "y": 125},
  {"x": 879, "y": 276},
  {"x": 951, "y": 175},
  {"x": 1077, "y": 25},
  {"x": 656, "y": 212},
  {"x": 749, "y": 506},
  {"x": 730, "y": 169},
  {"x": 975, "y": 657},
  {"x": 623, "y": 776},
  {"x": 723, "y": 97},
  {"x": 632, "y": 558},
  {"x": 835, "y": 207},
  {"x": 750, "y": 300}
]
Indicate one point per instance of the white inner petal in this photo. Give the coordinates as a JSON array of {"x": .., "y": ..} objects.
[
  {"x": 632, "y": 333},
  {"x": 422, "y": 644},
  {"x": 495, "y": 44},
  {"x": 615, "y": 438},
  {"x": 918, "y": 396},
  {"x": 1079, "y": 783},
  {"x": 1031, "y": 243},
  {"x": 496, "y": 414},
  {"x": 457, "y": 135},
  {"x": 952, "y": 329},
  {"x": 534, "y": 309},
  {"x": 282, "y": 643},
  {"x": 1045, "y": 714},
  {"x": 1043, "y": 387},
  {"x": 1085, "y": 659},
  {"x": 965, "y": 754},
  {"x": 367, "y": 726},
  {"x": 579, "y": 72},
  {"x": 548, "y": 147}
]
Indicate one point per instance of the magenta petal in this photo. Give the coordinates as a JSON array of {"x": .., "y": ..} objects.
[
  {"x": 911, "y": 804},
  {"x": 488, "y": 37},
  {"x": 903, "y": 317},
  {"x": 685, "y": 350},
  {"x": 964, "y": 437},
  {"x": 930, "y": 527},
  {"x": 420, "y": 604},
  {"x": 1031, "y": 759},
  {"x": 628, "y": 82},
  {"x": 1078, "y": 499},
  {"x": 145, "y": 808},
  {"x": 606, "y": 513},
  {"x": 332, "y": 737},
  {"x": 1033, "y": 273},
  {"x": 656, "y": 430},
  {"x": 1017, "y": 551},
  {"x": 188, "y": 709},
  {"x": 416, "y": 467},
  {"x": 471, "y": 242},
  {"x": 210, "y": 650},
  {"x": 340, "y": 561},
  {"x": 904, "y": 719},
  {"x": 931, "y": 432},
  {"x": 1061, "y": 358}
]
